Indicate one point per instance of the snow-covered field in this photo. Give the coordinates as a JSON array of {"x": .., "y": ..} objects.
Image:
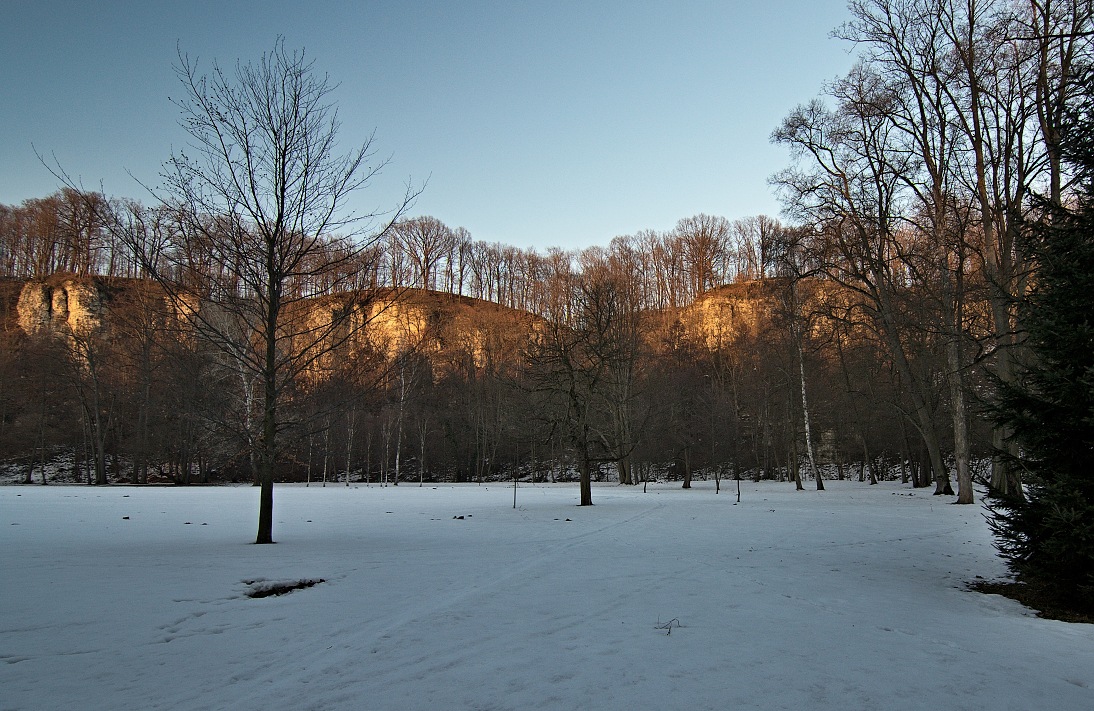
[{"x": 853, "y": 598}]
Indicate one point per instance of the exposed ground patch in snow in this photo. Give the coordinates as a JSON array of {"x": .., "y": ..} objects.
[{"x": 852, "y": 598}]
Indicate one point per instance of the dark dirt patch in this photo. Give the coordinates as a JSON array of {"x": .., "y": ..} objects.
[
  {"x": 268, "y": 588},
  {"x": 1046, "y": 600}
]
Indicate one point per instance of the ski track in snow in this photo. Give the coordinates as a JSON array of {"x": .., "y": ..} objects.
[{"x": 852, "y": 598}]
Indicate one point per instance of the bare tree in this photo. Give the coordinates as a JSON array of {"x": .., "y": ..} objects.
[
  {"x": 977, "y": 91},
  {"x": 88, "y": 371},
  {"x": 584, "y": 364},
  {"x": 612, "y": 302},
  {"x": 426, "y": 241},
  {"x": 260, "y": 195},
  {"x": 703, "y": 241},
  {"x": 849, "y": 183},
  {"x": 756, "y": 246}
]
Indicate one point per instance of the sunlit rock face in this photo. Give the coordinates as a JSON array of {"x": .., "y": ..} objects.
[
  {"x": 749, "y": 309},
  {"x": 35, "y": 308},
  {"x": 70, "y": 306},
  {"x": 450, "y": 331},
  {"x": 737, "y": 308},
  {"x": 719, "y": 318}
]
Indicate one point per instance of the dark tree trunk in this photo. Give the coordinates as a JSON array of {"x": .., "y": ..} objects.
[
  {"x": 265, "y": 511},
  {"x": 586, "y": 483},
  {"x": 267, "y": 450}
]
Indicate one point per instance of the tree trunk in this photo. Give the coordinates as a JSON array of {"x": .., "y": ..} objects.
[
  {"x": 805, "y": 420},
  {"x": 624, "y": 469},
  {"x": 960, "y": 423},
  {"x": 350, "y": 418},
  {"x": 267, "y": 451},
  {"x": 586, "y": 484},
  {"x": 398, "y": 446},
  {"x": 423, "y": 432},
  {"x": 99, "y": 447},
  {"x": 795, "y": 469},
  {"x": 924, "y": 418},
  {"x": 368, "y": 457},
  {"x": 265, "y": 510},
  {"x": 385, "y": 458},
  {"x": 326, "y": 452},
  {"x": 871, "y": 466}
]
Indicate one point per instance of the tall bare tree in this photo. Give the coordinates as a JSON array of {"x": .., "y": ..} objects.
[
  {"x": 426, "y": 241},
  {"x": 703, "y": 241},
  {"x": 261, "y": 195}
]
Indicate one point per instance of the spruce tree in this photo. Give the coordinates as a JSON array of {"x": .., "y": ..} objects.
[{"x": 1047, "y": 535}]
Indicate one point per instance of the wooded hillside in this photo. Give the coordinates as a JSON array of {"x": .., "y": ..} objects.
[{"x": 99, "y": 372}]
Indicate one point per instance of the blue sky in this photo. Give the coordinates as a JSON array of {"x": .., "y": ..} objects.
[{"x": 536, "y": 124}]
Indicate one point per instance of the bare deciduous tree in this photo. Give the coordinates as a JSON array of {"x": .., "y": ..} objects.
[
  {"x": 426, "y": 241},
  {"x": 261, "y": 195}
]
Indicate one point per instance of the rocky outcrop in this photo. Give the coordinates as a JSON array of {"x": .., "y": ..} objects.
[
  {"x": 720, "y": 315},
  {"x": 66, "y": 307},
  {"x": 444, "y": 327}
]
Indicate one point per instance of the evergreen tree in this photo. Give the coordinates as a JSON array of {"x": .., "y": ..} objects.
[{"x": 1047, "y": 536}]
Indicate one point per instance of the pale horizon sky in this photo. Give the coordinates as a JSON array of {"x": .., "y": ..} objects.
[{"x": 536, "y": 124}]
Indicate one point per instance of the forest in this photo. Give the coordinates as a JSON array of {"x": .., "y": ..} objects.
[
  {"x": 694, "y": 352},
  {"x": 195, "y": 341}
]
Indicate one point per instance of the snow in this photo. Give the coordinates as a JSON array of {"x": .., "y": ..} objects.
[{"x": 851, "y": 598}]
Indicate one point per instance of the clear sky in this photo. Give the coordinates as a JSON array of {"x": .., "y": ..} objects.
[{"x": 535, "y": 123}]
